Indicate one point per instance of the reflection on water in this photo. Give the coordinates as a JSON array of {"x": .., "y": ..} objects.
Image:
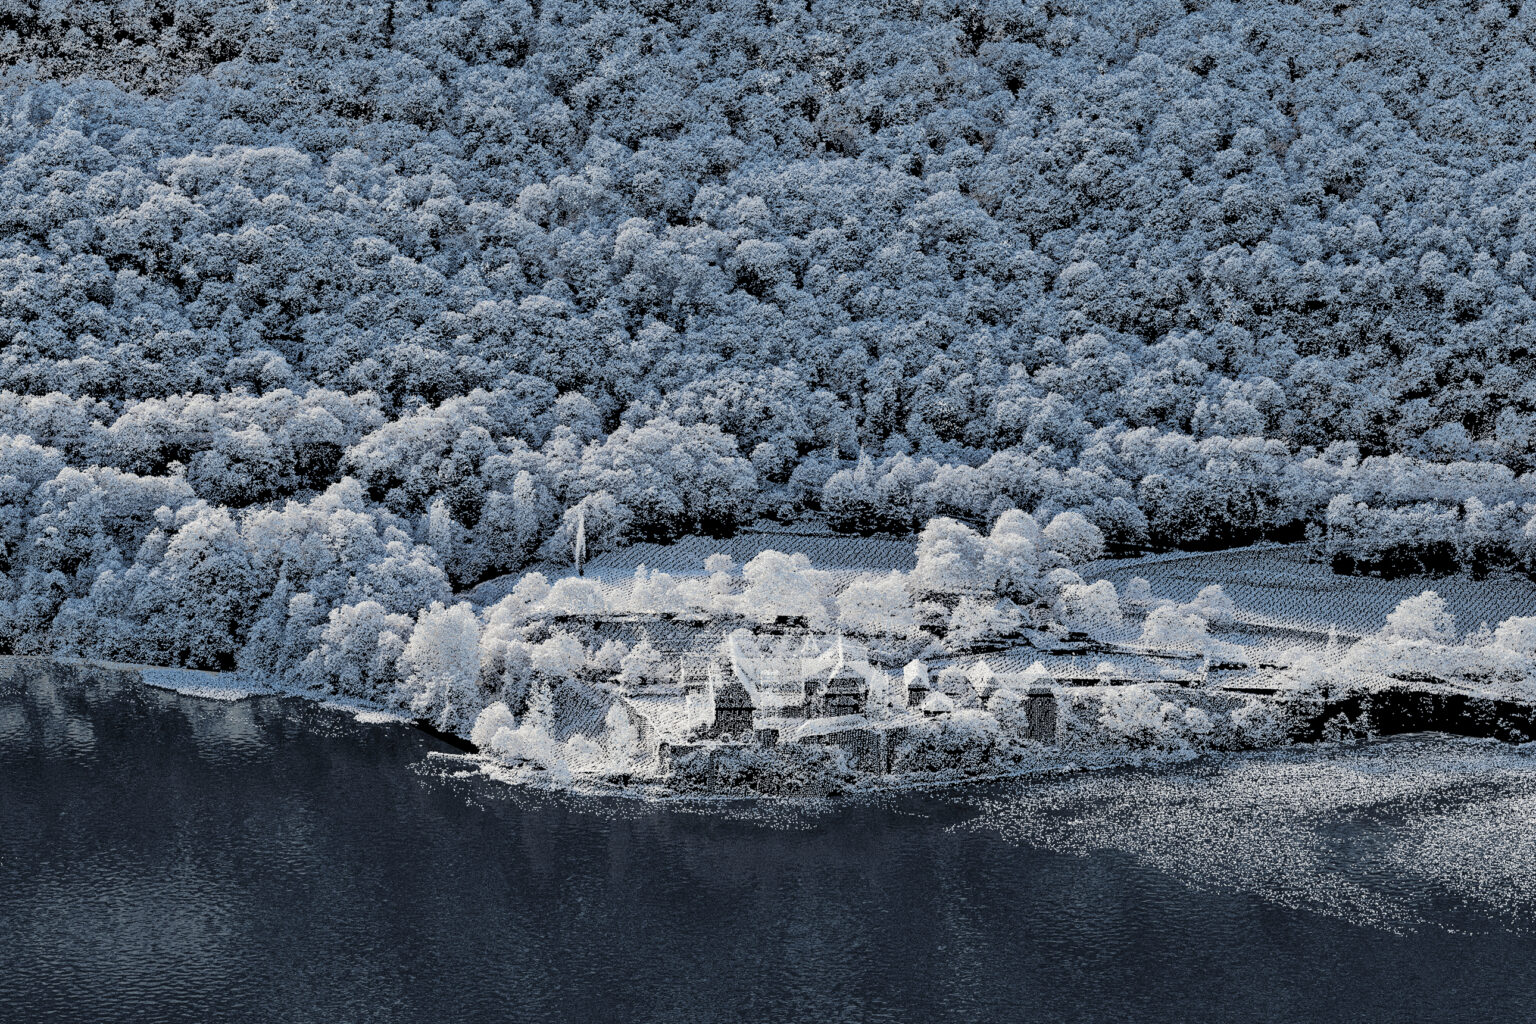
[
  {"x": 167, "y": 858},
  {"x": 1407, "y": 834}
]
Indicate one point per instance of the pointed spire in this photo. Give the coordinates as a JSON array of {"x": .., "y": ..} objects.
[{"x": 581, "y": 540}]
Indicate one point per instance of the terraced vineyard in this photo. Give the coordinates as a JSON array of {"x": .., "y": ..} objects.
[
  {"x": 1286, "y": 599},
  {"x": 847, "y": 558}
]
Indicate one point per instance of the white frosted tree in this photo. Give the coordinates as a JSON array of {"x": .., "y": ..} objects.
[
  {"x": 951, "y": 559},
  {"x": 492, "y": 727},
  {"x": 506, "y": 663},
  {"x": 976, "y": 623},
  {"x": 621, "y": 740},
  {"x": 525, "y": 599},
  {"x": 1012, "y": 556},
  {"x": 609, "y": 658},
  {"x": 641, "y": 665},
  {"x": 359, "y": 649},
  {"x": 1517, "y": 635},
  {"x": 1093, "y": 609},
  {"x": 654, "y": 592},
  {"x": 572, "y": 595},
  {"x": 880, "y": 605},
  {"x": 1170, "y": 628},
  {"x": 1424, "y": 617},
  {"x": 560, "y": 657},
  {"x": 440, "y": 666},
  {"x": 782, "y": 585},
  {"x": 1137, "y": 593},
  {"x": 1213, "y": 605},
  {"x": 602, "y": 522},
  {"x": 513, "y": 524},
  {"x": 1074, "y": 538}
]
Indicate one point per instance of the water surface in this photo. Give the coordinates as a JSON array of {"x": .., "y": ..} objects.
[{"x": 166, "y": 858}]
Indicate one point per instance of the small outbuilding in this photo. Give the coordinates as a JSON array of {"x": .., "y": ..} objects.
[
  {"x": 936, "y": 704},
  {"x": 846, "y": 692},
  {"x": 733, "y": 711},
  {"x": 915, "y": 682},
  {"x": 1040, "y": 713}
]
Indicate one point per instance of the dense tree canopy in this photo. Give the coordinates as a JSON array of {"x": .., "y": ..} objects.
[{"x": 344, "y": 306}]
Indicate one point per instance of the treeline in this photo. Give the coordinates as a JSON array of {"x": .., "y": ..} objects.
[
  {"x": 949, "y": 230},
  {"x": 495, "y": 480},
  {"x": 1398, "y": 517},
  {"x": 1431, "y": 537}
]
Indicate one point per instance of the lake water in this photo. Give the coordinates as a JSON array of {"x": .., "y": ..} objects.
[{"x": 166, "y": 858}]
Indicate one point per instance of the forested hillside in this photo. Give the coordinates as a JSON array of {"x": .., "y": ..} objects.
[{"x": 308, "y": 308}]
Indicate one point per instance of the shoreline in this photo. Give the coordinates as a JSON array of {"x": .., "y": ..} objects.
[{"x": 1391, "y": 711}]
